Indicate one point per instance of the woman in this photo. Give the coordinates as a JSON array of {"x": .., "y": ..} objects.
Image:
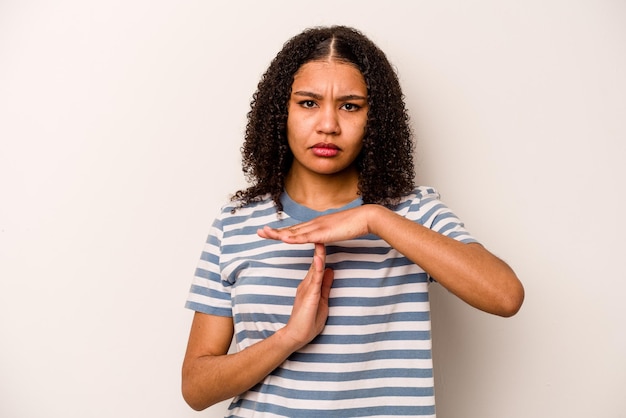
[{"x": 320, "y": 269}]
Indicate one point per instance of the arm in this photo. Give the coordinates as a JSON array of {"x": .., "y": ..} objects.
[
  {"x": 210, "y": 375},
  {"x": 467, "y": 270}
]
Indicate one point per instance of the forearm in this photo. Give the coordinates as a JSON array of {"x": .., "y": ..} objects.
[
  {"x": 467, "y": 270},
  {"x": 209, "y": 379},
  {"x": 211, "y": 375}
]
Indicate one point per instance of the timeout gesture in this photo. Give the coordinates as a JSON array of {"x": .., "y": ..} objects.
[{"x": 339, "y": 226}]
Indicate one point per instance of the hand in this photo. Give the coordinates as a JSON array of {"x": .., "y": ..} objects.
[
  {"x": 339, "y": 226},
  {"x": 310, "y": 308}
]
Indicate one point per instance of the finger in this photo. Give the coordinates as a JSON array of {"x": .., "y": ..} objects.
[
  {"x": 327, "y": 283},
  {"x": 268, "y": 233},
  {"x": 279, "y": 233},
  {"x": 299, "y": 234},
  {"x": 320, "y": 251},
  {"x": 318, "y": 264}
]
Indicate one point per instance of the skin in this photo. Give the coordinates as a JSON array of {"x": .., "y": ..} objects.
[{"x": 328, "y": 106}]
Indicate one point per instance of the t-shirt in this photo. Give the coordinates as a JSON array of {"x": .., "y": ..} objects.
[{"x": 373, "y": 357}]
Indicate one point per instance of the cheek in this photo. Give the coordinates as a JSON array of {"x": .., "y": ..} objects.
[
  {"x": 294, "y": 135},
  {"x": 297, "y": 127},
  {"x": 292, "y": 120}
]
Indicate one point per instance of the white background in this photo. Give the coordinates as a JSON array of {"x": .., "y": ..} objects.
[{"x": 120, "y": 128}]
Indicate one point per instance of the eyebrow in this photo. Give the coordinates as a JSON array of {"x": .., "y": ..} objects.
[{"x": 320, "y": 97}]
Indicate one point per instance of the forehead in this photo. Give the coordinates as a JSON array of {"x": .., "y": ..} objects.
[{"x": 327, "y": 72}]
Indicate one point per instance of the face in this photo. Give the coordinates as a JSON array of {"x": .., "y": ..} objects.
[{"x": 326, "y": 120}]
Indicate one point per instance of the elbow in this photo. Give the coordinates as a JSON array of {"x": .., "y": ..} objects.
[
  {"x": 193, "y": 395},
  {"x": 195, "y": 406},
  {"x": 512, "y": 302},
  {"x": 192, "y": 400}
]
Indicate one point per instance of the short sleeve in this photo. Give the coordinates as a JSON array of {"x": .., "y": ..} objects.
[
  {"x": 208, "y": 293},
  {"x": 425, "y": 207}
]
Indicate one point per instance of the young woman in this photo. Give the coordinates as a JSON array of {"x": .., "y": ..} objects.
[{"x": 320, "y": 269}]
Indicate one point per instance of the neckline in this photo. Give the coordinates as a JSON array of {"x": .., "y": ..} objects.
[{"x": 303, "y": 213}]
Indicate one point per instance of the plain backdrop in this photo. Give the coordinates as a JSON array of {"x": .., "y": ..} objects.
[{"x": 120, "y": 129}]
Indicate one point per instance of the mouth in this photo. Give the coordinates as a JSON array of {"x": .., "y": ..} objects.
[{"x": 324, "y": 149}]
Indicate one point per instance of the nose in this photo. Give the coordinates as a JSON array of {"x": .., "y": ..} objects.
[{"x": 328, "y": 122}]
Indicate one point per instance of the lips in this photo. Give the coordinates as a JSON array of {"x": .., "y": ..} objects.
[{"x": 324, "y": 149}]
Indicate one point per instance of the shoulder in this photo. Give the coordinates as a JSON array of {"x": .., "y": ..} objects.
[
  {"x": 418, "y": 196},
  {"x": 233, "y": 212},
  {"x": 234, "y": 207},
  {"x": 422, "y": 204}
]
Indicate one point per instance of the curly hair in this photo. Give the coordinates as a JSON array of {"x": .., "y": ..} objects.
[{"x": 385, "y": 163}]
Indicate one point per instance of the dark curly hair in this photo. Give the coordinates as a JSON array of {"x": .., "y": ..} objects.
[{"x": 385, "y": 164}]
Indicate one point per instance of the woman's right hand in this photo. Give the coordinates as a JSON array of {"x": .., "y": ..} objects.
[
  {"x": 211, "y": 375},
  {"x": 310, "y": 308}
]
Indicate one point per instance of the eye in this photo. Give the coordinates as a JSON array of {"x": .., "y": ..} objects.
[
  {"x": 307, "y": 104},
  {"x": 351, "y": 107}
]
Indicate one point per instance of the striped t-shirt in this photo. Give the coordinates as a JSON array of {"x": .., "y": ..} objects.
[{"x": 373, "y": 358}]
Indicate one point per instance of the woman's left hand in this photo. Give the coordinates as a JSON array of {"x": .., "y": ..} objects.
[
  {"x": 335, "y": 227},
  {"x": 468, "y": 270}
]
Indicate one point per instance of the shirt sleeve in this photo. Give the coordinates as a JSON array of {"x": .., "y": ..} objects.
[
  {"x": 426, "y": 208},
  {"x": 209, "y": 294}
]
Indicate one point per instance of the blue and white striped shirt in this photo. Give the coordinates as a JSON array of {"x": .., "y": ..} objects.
[{"x": 373, "y": 358}]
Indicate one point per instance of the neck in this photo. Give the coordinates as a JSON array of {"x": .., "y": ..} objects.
[{"x": 322, "y": 192}]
